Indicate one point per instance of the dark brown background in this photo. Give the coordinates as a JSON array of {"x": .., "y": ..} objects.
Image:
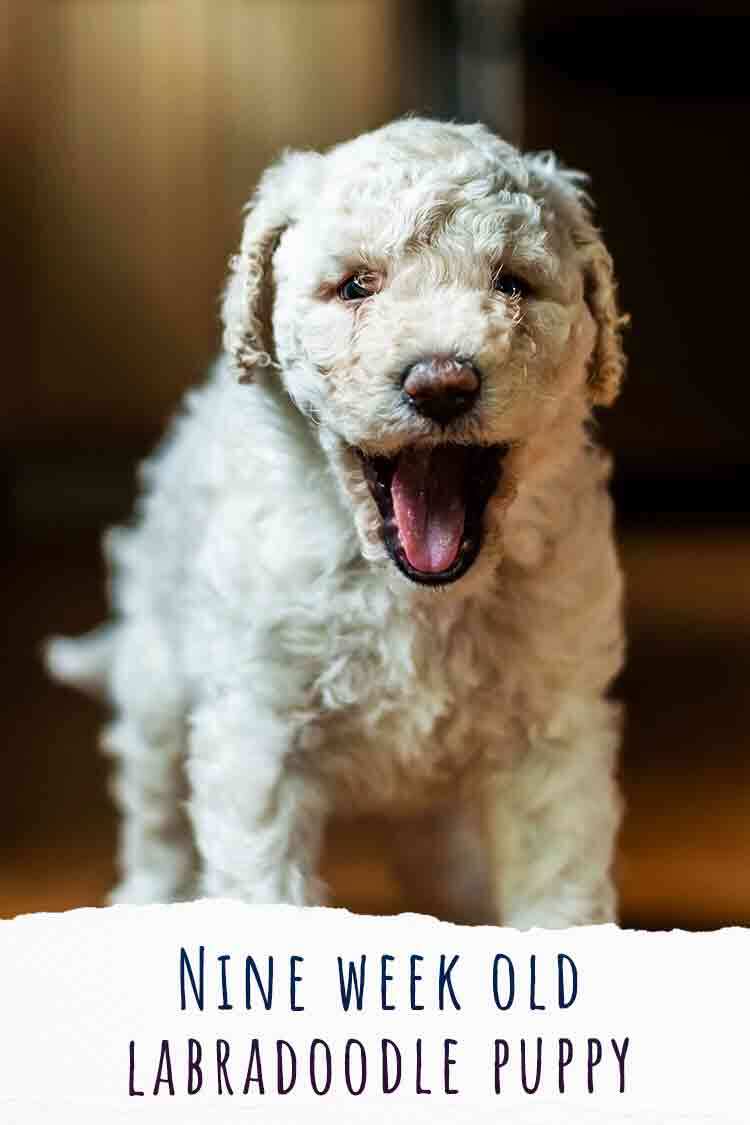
[{"x": 133, "y": 132}]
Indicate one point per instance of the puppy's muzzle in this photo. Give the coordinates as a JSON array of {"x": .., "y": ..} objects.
[{"x": 442, "y": 388}]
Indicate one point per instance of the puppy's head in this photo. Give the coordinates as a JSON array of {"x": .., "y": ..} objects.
[{"x": 443, "y": 311}]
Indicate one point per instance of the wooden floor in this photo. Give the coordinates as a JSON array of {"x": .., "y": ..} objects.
[{"x": 684, "y": 856}]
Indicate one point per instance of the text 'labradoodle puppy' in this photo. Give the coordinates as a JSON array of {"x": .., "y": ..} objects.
[{"x": 373, "y": 568}]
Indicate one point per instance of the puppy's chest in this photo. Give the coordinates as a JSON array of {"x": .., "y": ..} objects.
[{"x": 405, "y": 713}]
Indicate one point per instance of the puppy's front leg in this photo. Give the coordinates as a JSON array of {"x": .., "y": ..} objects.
[
  {"x": 553, "y": 820},
  {"x": 257, "y": 822}
]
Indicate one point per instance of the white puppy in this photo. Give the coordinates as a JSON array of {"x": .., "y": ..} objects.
[{"x": 373, "y": 567}]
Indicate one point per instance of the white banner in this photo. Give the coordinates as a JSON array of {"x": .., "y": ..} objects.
[{"x": 209, "y": 1011}]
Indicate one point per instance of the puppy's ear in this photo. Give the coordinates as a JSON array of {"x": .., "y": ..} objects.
[
  {"x": 600, "y": 294},
  {"x": 564, "y": 189},
  {"x": 247, "y": 305}
]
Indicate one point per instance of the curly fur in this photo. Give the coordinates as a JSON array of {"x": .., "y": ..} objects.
[{"x": 268, "y": 665}]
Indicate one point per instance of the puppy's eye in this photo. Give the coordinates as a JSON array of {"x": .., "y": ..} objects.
[
  {"x": 356, "y": 288},
  {"x": 510, "y": 285}
]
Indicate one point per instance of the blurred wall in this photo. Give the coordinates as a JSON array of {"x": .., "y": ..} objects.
[
  {"x": 135, "y": 131},
  {"x": 652, "y": 99}
]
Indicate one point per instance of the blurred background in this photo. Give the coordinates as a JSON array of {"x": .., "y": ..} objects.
[{"x": 133, "y": 131}]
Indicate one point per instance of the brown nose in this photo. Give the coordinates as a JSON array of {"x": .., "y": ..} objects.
[{"x": 442, "y": 387}]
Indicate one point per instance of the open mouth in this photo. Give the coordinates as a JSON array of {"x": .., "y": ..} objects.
[{"x": 431, "y": 500}]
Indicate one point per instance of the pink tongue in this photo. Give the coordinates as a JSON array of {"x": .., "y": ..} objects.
[{"x": 427, "y": 491}]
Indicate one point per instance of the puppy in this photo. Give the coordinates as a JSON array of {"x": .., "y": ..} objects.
[{"x": 373, "y": 566}]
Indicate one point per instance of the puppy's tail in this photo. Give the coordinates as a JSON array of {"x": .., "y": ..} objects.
[{"x": 82, "y": 662}]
